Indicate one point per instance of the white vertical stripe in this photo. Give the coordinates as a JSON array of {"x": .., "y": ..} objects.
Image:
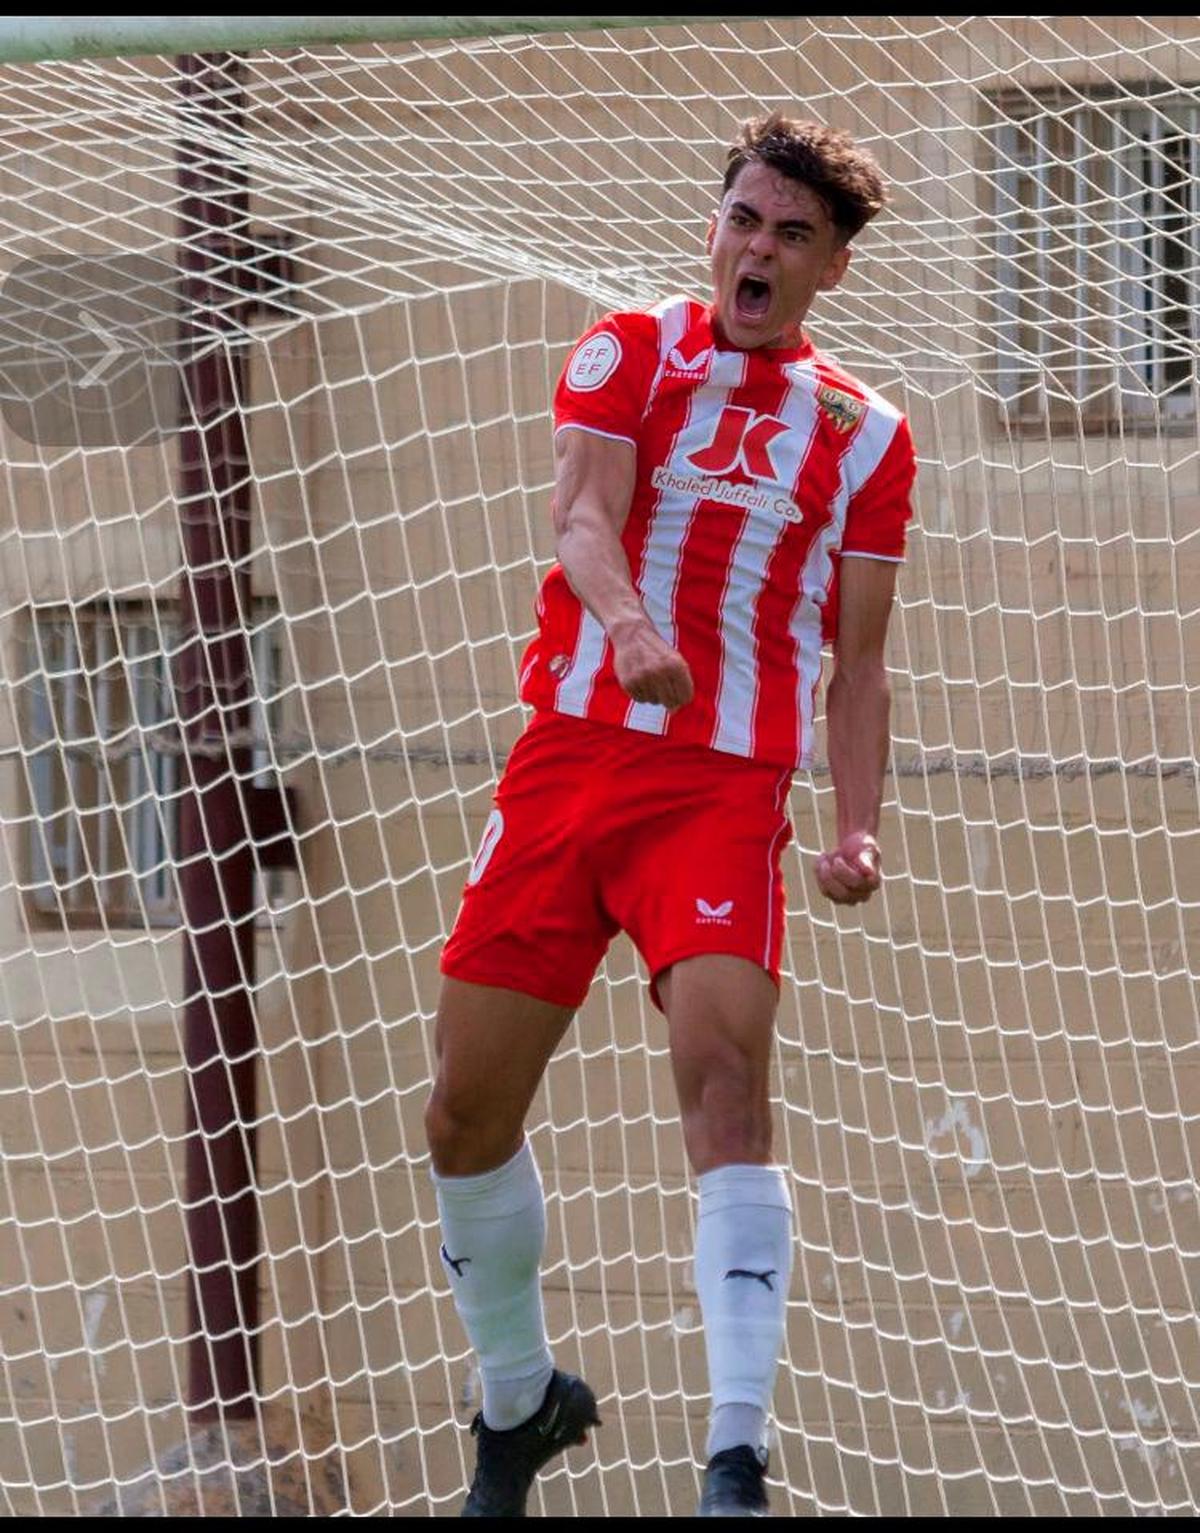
[
  {"x": 872, "y": 441},
  {"x": 671, "y": 520},
  {"x": 574, "y": 692},
  {"x": 672, "y": 316},
  {"x": 737, "y": 689},
  {"x": 575, "y": 689},
  {"x": 672, "y": 327},
  {"x": 858, "y": 463}
]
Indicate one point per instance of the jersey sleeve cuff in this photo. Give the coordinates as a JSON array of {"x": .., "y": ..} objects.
[{"x": 613, "y": 436}]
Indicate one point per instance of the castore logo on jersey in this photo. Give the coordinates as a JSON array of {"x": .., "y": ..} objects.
[{"x": 692, "y": 369}]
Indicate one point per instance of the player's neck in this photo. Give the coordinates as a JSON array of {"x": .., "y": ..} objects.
[{"x": 790, "y": 344}]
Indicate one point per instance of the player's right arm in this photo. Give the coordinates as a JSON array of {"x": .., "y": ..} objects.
[
  {"x": 593, "y": 489},
  {"x": 598, "y": 409}
]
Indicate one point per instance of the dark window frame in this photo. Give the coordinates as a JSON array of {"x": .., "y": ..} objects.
[
  {"x": 100, "y": 804},
  {"x": 1098, "y": 333}
]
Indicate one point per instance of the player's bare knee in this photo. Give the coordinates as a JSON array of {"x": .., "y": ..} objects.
[
  {"x": 726, "y": 1111},
  {"x": 443, "y": 1133},
  {"x": 713, "y": 1061},
  {"x": 739, "y": 1121},
  {"x": 465, "y": 1140},
  {"x": 727, "y": 1138}
]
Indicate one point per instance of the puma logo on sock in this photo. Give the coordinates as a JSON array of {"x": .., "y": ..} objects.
[
  {"x": 759, "y": 1277},
  {"x": 457, "y": 1263}
]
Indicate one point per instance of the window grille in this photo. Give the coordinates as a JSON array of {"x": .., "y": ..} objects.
[
  {"x": 1097, "y": 243},
  {"x": 105, "y": 769}
]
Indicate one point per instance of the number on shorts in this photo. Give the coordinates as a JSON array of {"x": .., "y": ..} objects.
[{"x": 492, "y": 832}]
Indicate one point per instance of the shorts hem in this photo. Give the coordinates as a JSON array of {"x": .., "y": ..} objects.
[
  {"x": 533, "y": 986},
  {"x": 691, "y": 950}
]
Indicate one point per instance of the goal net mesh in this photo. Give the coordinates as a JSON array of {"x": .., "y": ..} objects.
[{"x": 981, "y": 1079}]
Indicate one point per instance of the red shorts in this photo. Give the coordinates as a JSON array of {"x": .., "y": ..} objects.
[{"x": 598, "y": 829}]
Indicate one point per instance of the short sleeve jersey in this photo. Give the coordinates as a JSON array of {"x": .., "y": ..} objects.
[{"x": 757, "y": 473}]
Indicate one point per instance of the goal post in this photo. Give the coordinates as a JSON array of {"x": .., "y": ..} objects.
[{"x": 279, "y": 329}]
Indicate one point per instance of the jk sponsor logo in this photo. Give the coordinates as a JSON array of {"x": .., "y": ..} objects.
[{"x": 742, "y": 440}]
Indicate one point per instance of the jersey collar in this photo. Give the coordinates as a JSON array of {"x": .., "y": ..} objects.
[{"x": 780, "y": 356}]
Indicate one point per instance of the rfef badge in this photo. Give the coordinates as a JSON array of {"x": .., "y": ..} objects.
[{"x": 594, "y": 362}]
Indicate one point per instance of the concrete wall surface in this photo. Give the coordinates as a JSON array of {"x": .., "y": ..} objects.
[{"x": 982, "y": 1080}]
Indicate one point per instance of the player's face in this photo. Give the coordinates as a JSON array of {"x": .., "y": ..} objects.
[{"x": 774, "y": 247}]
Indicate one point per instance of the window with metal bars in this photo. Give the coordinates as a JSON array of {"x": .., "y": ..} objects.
[
  {"x": 103, "y": 766},
  {"x": 1097, "y": 246}
]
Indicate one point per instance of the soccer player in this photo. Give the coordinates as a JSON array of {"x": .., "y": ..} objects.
[{"x": 727, "y": 501}]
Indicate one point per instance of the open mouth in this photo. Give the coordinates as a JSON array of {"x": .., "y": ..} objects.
[{"x": 753, "y": 297}]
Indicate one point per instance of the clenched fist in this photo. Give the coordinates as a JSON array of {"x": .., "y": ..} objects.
[
  {"x": 648, "y": 668},
  {"x": 850, "y": 873}
]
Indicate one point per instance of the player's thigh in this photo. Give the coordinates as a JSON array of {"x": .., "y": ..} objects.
[
  {"x": 492, "y": 1046},
  {"x": 720, "y": 1017},
  {"x": 720, "y": 1022}
]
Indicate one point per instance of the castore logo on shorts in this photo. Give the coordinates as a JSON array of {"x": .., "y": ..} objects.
[{"x": 714, "y": 915}]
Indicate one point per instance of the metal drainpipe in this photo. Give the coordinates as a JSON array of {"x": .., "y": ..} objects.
[{"x": 216, "y": 863}]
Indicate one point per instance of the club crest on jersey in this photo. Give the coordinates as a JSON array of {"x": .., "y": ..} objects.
[{"x": 842, "y": 409}]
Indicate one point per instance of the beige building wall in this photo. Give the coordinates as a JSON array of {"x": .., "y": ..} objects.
[{"x": 982, "y": 1079}]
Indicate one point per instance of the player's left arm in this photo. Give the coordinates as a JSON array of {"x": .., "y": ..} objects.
[
  {"x": 858, "y": 702},
  {"x": 857, "y": 708}
]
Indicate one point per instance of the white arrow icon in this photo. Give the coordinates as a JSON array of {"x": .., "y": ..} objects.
[{"x": 114, "y": 349}]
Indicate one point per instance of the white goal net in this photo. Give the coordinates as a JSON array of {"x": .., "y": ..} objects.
[{"x": 278, "y": 334}]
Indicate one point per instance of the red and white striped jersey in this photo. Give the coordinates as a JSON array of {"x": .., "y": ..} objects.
[{"x": 757, "y": 473}]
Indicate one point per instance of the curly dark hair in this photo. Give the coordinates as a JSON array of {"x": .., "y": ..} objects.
[{"x": 826, "y": 160}]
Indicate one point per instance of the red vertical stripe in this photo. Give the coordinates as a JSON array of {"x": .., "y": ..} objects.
[{"x": 705, "y": 568}]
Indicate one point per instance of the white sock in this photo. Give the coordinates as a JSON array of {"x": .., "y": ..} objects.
[
  {"x": 493, "y": 1234},
  {"x": 743, "y": 1268}
]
